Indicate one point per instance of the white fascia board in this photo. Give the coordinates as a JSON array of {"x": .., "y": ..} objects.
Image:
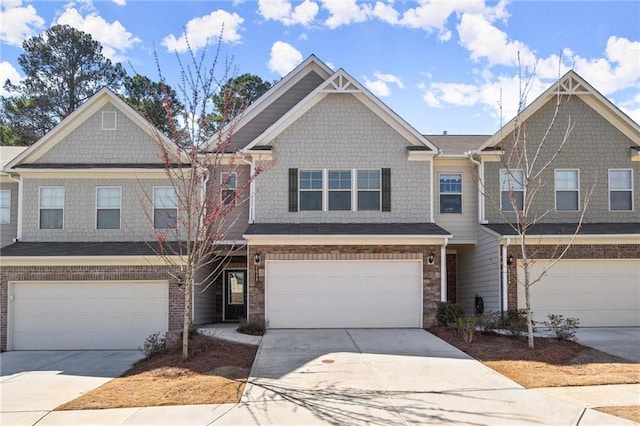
[
  {"x": 321, "y": 240},
  {"x": 533, "y": 240},
  {"x": 93, "y": 173},
  {"x": 89, "y": 260},
  {"x": 420, "y": 155}
]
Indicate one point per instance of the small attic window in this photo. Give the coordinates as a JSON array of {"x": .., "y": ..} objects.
[{"x": 108, "y": 120}]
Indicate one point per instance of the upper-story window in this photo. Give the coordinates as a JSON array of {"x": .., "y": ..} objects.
[
  {"x": 5, "y": 206},
  {"x": 339, "y": 189},
  {"x": 165, "y": 207},
  {"x": 229, "y": 184},
  {"x": 310, "y": 190},
  {"x": 567, "y": 190},
  {"x": 621, "y": 190},
  {"x": 343, "y": 189},
  {"x": 511, "y": 189},
  {"x": 51, "y": 207},
  {"x": 451, "y": 193},
  {"x": 108, "y": 205},
  {"x": 369, "y": 189}
]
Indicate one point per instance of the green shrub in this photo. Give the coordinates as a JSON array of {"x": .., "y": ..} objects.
[
  {"x": 153, "y": 344},
  {"x": 564, "y": 328},
  {"x": 466, "y": 327},
  {"x": 254, "y": 328},
  {"x": 514, "y": 321},
  {"x": 448, "y": 313}
]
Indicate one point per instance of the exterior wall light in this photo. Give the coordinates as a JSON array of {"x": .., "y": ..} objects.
[
  {"x": 510, "y": 260},
  {"x": 431, "y": 258},
  {"x": 256, "y": 258}
]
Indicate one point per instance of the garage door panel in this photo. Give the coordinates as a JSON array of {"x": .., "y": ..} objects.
[
  {"x": 599, "y": 292},
  {"x": 337, "y": 294},
  {"x": 86, "y": 314}
]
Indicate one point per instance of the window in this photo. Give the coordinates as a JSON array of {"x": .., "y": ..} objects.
[
  {"x": 109, "y": 120},
  {"x": 368, "y": 189},
  {"x": 339, "y": 189},
  {"x": 5, "y": 206},
  {"x": 229, "y": 184},
  {"x": 511, "y": 189},
  {"x": 51, "y": 200},
  {"x": 451, "y": 193},
  {"x": 621, "y": 190},
  {"x": 165, "y": 207},
  {"x": 310, "y": 190},
  {"x": 108, "y": 202},
  {"x": 567, "y": 192}
]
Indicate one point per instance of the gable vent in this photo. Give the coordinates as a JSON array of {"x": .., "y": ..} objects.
[{"x": 108, "y": 120}]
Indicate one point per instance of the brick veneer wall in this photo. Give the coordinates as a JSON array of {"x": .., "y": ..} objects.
[
  {"x": 576, "y": 251},
  {"x": 90, "y": 273},
  {"x": 430, "y": 279}
]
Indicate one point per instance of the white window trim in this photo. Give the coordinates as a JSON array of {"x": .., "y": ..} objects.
[
  {"x": 523, "y": 190},
  {"x": 619, "y": 190},
  {"x": 227, "y": 188},
  {"x": 153, "y": 201},
  {"x": 322, "y": 190},
  {"x": 8, "y": 207},
  {"x": 555, "y": 187},
  {"x": 40, "y": 208},
  {"x": 453, "y": 193},
  {"x": 356, "y": 189},
  {"x": 115, "y": 120},
  {"x": 109, "y": 208},
  {"x": 326, "y": 181}
]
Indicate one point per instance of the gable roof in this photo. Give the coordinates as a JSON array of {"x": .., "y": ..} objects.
[
  {"x": 311, "y": 64},
  {"x": 8, "y": 153},
  {"x": 76, "y": 118},
  {"x": 342, "y": 82},
  {"x": 572, "y": 84}
]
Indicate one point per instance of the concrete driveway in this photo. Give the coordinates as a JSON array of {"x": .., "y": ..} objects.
[
  {"x": 619, "y": 341},
  {"x": 35, "y": 382},
  {"x": 386, "y": 377}
]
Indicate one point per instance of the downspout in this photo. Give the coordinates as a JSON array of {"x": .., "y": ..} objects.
[
  {"x": 252, "y": 188},
  {"x": 203, "y": 191},
  {"x": 481, "y": 204},
  {"x": 19, "y": 224},
  {"x": 505, "y": 276},
  {"x": 431, "y": 216},
  {"x": 443, "y": 270}
]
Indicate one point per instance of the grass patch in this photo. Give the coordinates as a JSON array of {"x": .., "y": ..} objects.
[
  {"x": 628, "y": 412},
  {"x": 551, "y": 363},
  {"x": 215, "y": 373}
]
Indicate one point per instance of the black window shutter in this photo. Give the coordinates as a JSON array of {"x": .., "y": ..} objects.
[
  {"x": 386, "y": 190},
  {"x": 293, "y": 190}
]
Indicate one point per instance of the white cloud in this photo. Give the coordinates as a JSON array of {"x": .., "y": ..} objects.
[
  {"x": 283, "y": 12},
  {"x": 380, "y": 85},
  {"x": 284, "y": 58},
  {"x": 343, "y": 12},
  {"x": 120, "y": 2},
  {"x": 385, "y": 12},
  {"x": 200, "y": 31},
  {"x": 18, "y": 22},
  {"x": 8, "y": 72},
  {"x": 113, "y": 37}
]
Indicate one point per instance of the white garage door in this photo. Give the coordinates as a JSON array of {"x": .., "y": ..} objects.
[
  {"x": 85, "y": 315},
  {"x": 600, "y": 293},
  {"x": 341, "y": 294}
]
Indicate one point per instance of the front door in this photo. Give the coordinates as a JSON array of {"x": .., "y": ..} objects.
[{"x": 235, "y": 294}]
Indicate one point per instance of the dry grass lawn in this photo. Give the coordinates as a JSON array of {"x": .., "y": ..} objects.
[
  {"x": 631, "y": 413},
  {"x": 551, "y": 363},
  {"x": 215, "y": 373}
]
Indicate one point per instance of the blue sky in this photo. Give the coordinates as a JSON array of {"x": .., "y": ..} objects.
[{"x": 441, "y": 65}]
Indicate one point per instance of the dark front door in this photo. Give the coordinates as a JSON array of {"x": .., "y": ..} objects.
[{"x": 235, "y": 294}]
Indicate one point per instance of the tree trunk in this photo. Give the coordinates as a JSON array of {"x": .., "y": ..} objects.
[
  {"x": 186, "y": 318},
  {"x": 527, "y": 296}
]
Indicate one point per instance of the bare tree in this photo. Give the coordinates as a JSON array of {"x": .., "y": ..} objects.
[
  {"x": 192, "y": 221},
  {"x": 527, "y": 166}
]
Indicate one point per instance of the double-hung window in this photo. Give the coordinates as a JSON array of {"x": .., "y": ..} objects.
[
  {"x": 229, "y": 185},
  {"x": 51, "y": 207},
  {"x": 451, "y": 193},
  {"x": 511, "y": 190},
  {"x": 310, "y": 190},
  {"x": 621, "y": 190},
  {"x": 369, "y": 189},
  {"x": 567, "y": 192},
  {"x": 108, "y": 204},
  {"x": 5, "y": 206},
  {"x": 339, "y": 189},
  {"x": 165, "y": 207}
]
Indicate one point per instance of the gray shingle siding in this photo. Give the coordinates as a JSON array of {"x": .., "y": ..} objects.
[{"x": 8, "y": 231}]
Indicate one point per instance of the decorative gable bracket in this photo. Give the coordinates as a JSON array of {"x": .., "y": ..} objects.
[{"x": 340, "y": 83}]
